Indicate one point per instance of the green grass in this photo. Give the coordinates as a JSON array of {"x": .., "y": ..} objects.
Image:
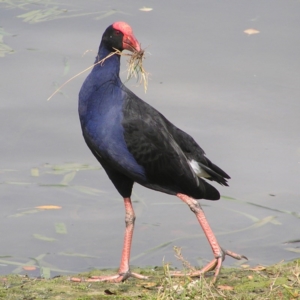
[{"x": 280, "y": 281}]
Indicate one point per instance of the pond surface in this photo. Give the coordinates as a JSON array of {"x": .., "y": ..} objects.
[{"x": 237, "y": 94}]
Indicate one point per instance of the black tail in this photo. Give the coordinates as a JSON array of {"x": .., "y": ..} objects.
[
  {"x": 211, "y": 193},
  {"x": 216, "y": 174}
]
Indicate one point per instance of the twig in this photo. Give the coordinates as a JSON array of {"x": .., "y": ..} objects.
[{"x": 184, "y": 262}]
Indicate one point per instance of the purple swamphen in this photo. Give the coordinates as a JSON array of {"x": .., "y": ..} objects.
[{"x": 135, "y": 143}]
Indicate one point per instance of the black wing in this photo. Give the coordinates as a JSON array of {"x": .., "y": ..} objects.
[
  {"x": 194, "y": 152},
  {"x": 155, "y": 145}
]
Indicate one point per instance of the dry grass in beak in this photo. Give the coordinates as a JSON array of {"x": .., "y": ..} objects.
[{"x": 135, "y": 68}]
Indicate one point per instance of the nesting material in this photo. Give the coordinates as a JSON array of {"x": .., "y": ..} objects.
[
  {"x": 136, "y": 68},
  {"x": 134, "y": 65}
]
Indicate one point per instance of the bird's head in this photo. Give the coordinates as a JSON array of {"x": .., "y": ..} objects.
[{"x": 119, "y": 36}]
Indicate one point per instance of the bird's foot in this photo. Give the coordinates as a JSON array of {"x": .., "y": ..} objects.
[
  {"x": 110, "y": 278},
  {"x": 215, "y": 265}
]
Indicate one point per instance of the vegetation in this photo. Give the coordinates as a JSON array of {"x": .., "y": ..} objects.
[{"x": 280, "y": 281}]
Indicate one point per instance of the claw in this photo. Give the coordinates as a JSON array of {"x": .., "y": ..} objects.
[{"x": 234, "y": 255}]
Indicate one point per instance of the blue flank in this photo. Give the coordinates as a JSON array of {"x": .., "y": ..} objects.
[{"x": 101, "y": 101}]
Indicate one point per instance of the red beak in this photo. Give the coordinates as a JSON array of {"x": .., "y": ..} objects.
[{"x": 130, "y": 43}]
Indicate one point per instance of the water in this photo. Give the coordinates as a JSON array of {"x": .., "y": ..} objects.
[{"x": 236, "y": 94}]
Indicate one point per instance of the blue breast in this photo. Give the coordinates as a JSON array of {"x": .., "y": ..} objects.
[{"x": 100, "y": 109}]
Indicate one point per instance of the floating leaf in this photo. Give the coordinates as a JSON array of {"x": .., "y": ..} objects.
[
  {"x": 35, "y": 172},
  {"x": 54, "y": 13},
  {"x": 45, "y": 273},
  {"x": 3, "y": 32},
  {"x": 54, "y": 185},
  {"x": 43, "y": 238},
  {"x": 7, "y": 170},
  {"x": 41, "y": 15},
  {"x": 271, "y": 219},
  {"x": 296, "y": 250},
  {"x": 12, "y": 263},
  {"x": 48, "y": 207},
  {"x": 65, "y": 168},
  {"x": 228, "y": 198},
  {"x": 264, "y": 221},
  {"x": 68, "y": 178},
  {"x": 66, "y": 66},
  {"x": 252, "y": 218},
  {"x": 274, "y": 209},
  {"x": 20, "y": 266},
  {"x": 60, "y": 228},
  {"x": 4, "y": 49},
  {"x": 251, "y": 31},
  {"x": 18, "y": 183},
  {"x": 27, "y": 212},
  {"x": 146, "y": 9},
  {"x": 76, "y": 254},
  {"x": 29, "y": 268}
]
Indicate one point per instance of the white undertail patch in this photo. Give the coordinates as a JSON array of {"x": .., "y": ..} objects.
[{"x": 197, "y": 169}]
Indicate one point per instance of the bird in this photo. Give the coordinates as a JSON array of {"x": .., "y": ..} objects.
[{"x": 135, "y": 143}]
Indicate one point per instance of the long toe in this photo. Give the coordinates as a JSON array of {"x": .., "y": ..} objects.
[
  {"x": 110, "y": 278},
  {"x": 234, "y": 255},
  {"x": 215, "y": 265}
]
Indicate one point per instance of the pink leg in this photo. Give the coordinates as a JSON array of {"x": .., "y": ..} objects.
[
  {"x": 124, "y": 271},
  {"x": 218, "y": 252}
]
